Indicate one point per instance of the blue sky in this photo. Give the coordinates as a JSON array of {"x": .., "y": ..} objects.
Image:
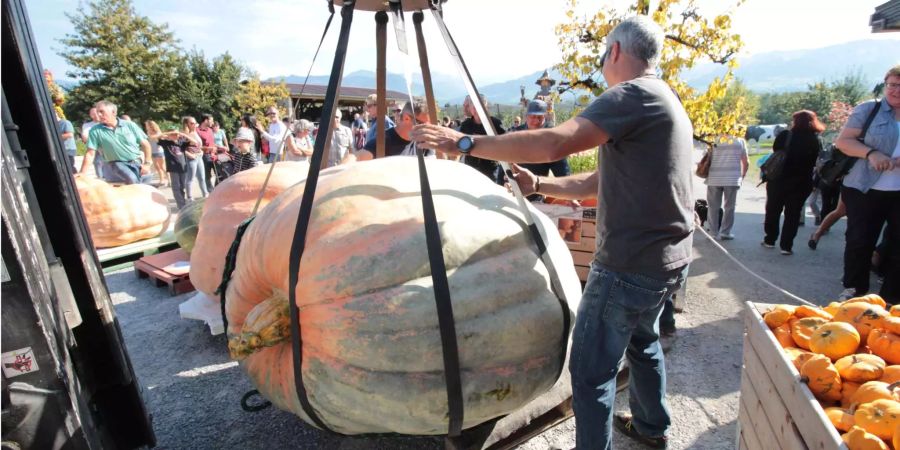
[{"x": 499, "y": 39}]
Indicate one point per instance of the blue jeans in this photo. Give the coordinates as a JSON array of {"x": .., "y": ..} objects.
[
  {"x": 195, "y": 171},
  {"x": 619, "y": 316},
  {"x": 122, "y": 172}
]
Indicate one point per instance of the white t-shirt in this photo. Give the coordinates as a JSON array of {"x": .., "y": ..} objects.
[
  {"x": 85, "y": 129},
  {"x": 890, "y": 180}
]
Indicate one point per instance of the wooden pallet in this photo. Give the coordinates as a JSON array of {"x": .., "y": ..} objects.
[
  {"x": 776, "y": 409},
  {"x": 170, "y": 269}
]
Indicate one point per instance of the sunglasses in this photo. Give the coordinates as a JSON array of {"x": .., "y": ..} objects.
[{"x": 605, "y": 55}]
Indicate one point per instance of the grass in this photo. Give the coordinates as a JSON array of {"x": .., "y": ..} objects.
[{"x": 753, "y": 170}]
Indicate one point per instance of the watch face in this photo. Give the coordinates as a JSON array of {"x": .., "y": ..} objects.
[{"x": 465, "y": 144}]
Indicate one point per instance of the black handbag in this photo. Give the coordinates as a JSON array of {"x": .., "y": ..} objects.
[
  {"x": 832, "y": 172},
  {"x": 772, "y": 169}
]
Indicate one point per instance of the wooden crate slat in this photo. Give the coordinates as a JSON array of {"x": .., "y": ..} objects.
[
  {"x": 743, "y": 443},
  {"x": 759, "y": 423},
  {"x": 755, "y": 383},
  {"x": 810, "y": 419},
  {"x": 582, "y": 272},
  {"x": 748, "y": 434},
  {"x": 582, "y": 258},
  {"x": 587, "y": 244},
  {"x": 588, "y": 229}
]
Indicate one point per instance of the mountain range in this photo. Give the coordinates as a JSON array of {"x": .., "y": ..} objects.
[{"x": 777, "y": 71}]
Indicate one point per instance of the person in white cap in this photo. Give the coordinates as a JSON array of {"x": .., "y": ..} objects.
[
  {"x": 275, "y": 135},
  {"x": 242, "y": 157}
]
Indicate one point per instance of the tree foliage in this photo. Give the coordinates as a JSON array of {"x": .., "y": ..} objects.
[
  {"x": 210, "y": 86},
  {"x": 691, "y": 37},
  {"x": 254, "y": 97},
  {"x": 819, "y": 97},
  {"x": 56, "y": 93},
  {"x": 122, "y": 57}
]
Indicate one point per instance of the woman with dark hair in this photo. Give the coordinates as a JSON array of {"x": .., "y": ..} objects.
[
  {"x": 788, "y": 192},
  {"x": 871, "y": 190}
]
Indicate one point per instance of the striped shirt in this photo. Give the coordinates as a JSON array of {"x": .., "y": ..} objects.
[{"x": 725, "y": 169}]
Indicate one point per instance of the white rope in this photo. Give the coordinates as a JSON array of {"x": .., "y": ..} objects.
[{"x": 747, "y": 269}]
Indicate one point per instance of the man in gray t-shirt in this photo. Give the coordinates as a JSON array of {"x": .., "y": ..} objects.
[{"x": 644, "y": 226}]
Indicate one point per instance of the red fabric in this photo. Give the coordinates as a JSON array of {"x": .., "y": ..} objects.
[{"x": 207, "y": 138}]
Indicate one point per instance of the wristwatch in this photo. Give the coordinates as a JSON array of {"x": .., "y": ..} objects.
[{"x": 465, "y": 144}]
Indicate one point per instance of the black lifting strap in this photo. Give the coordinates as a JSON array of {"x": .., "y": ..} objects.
[
  {"x": 230, "y": 263},
  {"x": 443, "y": 302},
  {"x": 452, "y": 376},
  {"x": 555, "y": 285},
  {"x": 306, "y": 203}
]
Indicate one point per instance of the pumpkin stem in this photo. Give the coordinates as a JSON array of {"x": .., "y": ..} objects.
[
  {"x": 893, "y": 385},
  {"x": 267, "y": 324}
]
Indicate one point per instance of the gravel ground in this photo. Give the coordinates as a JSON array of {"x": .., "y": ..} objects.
[{"x": 193, "y": 390}]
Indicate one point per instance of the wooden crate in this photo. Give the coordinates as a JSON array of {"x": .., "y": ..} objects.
[
  {"x": 582, "y": 250},
  {"x": 170, "y": 269},
  {"x": 776, "y": 411}
]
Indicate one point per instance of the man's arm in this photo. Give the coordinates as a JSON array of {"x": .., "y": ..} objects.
[
  {"x": 745, "y": 159},
  {"x": 530, "y": 146},
  {"x": 574, "y": 187},
  {"x": 88, "y": 160},
  {"x": 145, "y": 147}
]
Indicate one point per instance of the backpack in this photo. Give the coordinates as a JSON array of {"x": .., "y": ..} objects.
[
  {"x": 833, "y": 170},
  {"x": 773, "y": 168}
]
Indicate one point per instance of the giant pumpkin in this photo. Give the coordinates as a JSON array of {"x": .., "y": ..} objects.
[
  {"x": 372, "y": 359},
  {"x": 124, "y": 214},
  {"x": 226, "y": 207}
]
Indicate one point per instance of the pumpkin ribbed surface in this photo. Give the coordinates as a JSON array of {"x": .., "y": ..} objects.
[
  {"x": 229, "y": 204},
  {"x": 124, "y": 214},
  {"x": 372, "y": 359}
]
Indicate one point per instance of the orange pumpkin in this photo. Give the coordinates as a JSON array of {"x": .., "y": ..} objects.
[
  {"x": 860, "y": 439},
  {"x": 860, "y": 368},
  {"x": 891, "y": 374},
  {"x": 226, "y": 207},
  {"x": 885, "y": 344},
  {"x": 778, "y": 316},
  {"x": 863, "y": 316},
  {"x": 372, "y": 359},
  {"x": 895, "y": 440},
  {"x": 872, "y": 299},
  {"x": 802, "y": 329},
  {"x": 124, "y": 214},
  {"x": 783, "y": 335},
  {"x": 834, "y": 340},
  {"x": 895, "y": 310},
  {"x": 841, "y": 418},
  {"x": 848, "y": 388},
  {"x": 798, "y": 356},
  {"x": 822, "y": 377},
  {"x": 874, "y": 390},
  {"x": 879, "y": 417},
  {"x": 832, "y": 308},
  {"x": 811, "y": 311},
  {"x": 891, "y": 323}
]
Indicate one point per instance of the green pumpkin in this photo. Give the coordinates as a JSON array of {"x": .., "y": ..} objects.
[{"x": 186, "y": 225}]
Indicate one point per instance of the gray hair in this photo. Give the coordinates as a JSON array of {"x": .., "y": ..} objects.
[
  {"x": 415, "y": 108},
  {"x": 106, "y": 104},
  {"x": 639, "y": 36},
  {"x": 302, "y": 125}
]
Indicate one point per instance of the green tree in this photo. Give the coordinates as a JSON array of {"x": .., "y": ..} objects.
[
  {"x": 210, "y": 86},
  {"x": 740, "y": 96},
  {"x": 690, "y": 38},
  {"x": 122, "y": 57},
  {"x": 254, "y": 97}
]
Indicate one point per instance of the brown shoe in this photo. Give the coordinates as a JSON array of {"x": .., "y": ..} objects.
[{"x": 624, "y": 423}]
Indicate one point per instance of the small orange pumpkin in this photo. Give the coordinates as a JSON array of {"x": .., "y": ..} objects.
[
  {"x": 802, "y": 329},
  {"x": 895, "y": 310},
  {"x": 778, "y": 315},
  {"x": 841, "y": 418},
  {"x": 848, "y": 388},
  {"x": 891, "y": 374},
  {"x": 860, "y": 439},
  {"x": 885, "y": 344},
  {"x": 872, "y": 299},
  {"x": 798, "y": 356},
  {"x": 822, "y": 378},
  {"x": 875, "y": 390},
  {"x": 812, "y": 311},
  {"x": 834, "y": 340},
  {"x": 891, "y": 323},
  {"x": 783, "y": 335},
  {"x": 860, "y": 368},
  {"x": 879, "y": 417},
  {"x": 863, "y": 316},
  {"x": 895, "y": 440}
]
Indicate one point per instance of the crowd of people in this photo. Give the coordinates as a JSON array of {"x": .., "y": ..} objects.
[{"x": 868, "y": 193}]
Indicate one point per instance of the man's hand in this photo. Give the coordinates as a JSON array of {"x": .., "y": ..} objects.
[
  {"x": 524, "y": 178},
  {"x": 145, "y": 169},
  {"x": 436, "y": 137}
]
